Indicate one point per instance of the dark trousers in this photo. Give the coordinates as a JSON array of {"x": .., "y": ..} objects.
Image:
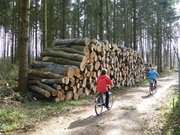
[
  {"x": 107, "y": 99},
  {"x": 155, "y": 82},
  {"x": 106, "y": 94}
]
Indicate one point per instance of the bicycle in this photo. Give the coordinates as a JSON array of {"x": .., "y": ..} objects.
[
  {"x": 100, "y": 102},
  {"x": 152, "y": 87}
]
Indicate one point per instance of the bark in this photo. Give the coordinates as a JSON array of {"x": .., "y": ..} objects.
[
  {"x": 62, "y": 61},
  {"x": 49, "y": 66},
  {"x": 134, "y": 25},
  {"x": 44, "y": 24},
  {"x": 61, "y": 54},
  {"x": 23, "y": 47},
  {"x": 51, "y": 90},
  {"x": 42, "y": 74},
  {"x": 71, "y": 42},
  {"x": 101, "y": 30},
  {"x": 68, "y": 50},
  {"x": 64, "y": 14},
  {"x": 51, "y": 81},
  {"x": 40, "y": 91}
]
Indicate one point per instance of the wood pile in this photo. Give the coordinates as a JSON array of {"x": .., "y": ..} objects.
[{"x": 69, "y": 69}]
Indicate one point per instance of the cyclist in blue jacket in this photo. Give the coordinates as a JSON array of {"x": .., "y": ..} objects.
[{"x": 152, "y": 74}]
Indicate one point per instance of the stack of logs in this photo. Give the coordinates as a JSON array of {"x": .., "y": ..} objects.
[{"x": 69, "y": 69}]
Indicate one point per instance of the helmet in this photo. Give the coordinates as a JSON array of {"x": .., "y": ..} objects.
[{"x": 103, "y": 71}]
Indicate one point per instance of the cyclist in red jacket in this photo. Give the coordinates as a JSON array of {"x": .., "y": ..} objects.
[{"x": 102, "y": 84}]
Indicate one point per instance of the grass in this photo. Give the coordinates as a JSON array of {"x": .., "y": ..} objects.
[
  {"x": 11, "y": 119},
  {"x": 25, "y": 115},
  {"x": 171, "y": 115},
  {"x": 166, "y": 120}
]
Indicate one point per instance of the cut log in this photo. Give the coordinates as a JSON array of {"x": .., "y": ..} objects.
[
  {"x": 76, "y": 96},
  {"x": 71, "y": 42},
  {"x": 56, "y": 86},
  {"x": 30, "y": 77},
  {"x": 62, "y": 61},
  {"x": 84, "y": 82},
  {"x": 51, "y": 90},
  {"x": 86, "y": 50},
  {"x": 75, "y": 89},
  {"x": 87, "y": 91},
  {"x": 93, "y": 57},
  {"x": 80, "y": 91},
  {"x": 72, "y": 71},
  {"x": 42, "y": 74},
  {"x": 61, "y": 54},
  {"x": 68, "y": 49},
  {"x": 48, "y": 66},
  {"x": 77, "y": 73},
  {"x": 66, "y": 80},
  {"x": 69, "y": 95},
  {"x": 51, "y": 81},
  {"x": 61, "y": 95},
  {"x": 72, "y": 81},
  {"x": 66, "y": 88},
  {"x": 97, "y": 65},
  {"x": 79, "y": 48},
  {"x": 57, "y": 99},
  {"x": 83, "y": 64},
  {"x": 40, "y": 91}
]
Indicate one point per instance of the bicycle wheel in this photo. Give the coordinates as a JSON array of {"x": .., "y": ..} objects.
[
  {"x": 98, "y": 105},
  {"x": 110, "y": 100}
]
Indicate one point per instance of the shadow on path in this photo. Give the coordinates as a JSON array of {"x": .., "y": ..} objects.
[
  {"x": 147, "y": 96},
  {"x": 84, "y": 122}
]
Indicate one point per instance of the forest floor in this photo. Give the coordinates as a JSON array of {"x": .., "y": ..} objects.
[{"x": 134, "y": 112}]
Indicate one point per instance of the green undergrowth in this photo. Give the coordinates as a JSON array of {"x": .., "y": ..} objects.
[
  {"x": 25, "y": 115},
  {"x": 171, "y": 115},
  {"x": 8, "y": 71},
  {"x": 166, "y": 73},
  {"x": 8, "y": 74}
]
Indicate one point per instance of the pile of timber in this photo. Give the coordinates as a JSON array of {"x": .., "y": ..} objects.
[{"x": 69, "y": 69}]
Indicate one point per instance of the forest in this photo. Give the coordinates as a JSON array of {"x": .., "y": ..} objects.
[
  {"x": 149, "y": 27},
  {"x": 57, "y": 48}
]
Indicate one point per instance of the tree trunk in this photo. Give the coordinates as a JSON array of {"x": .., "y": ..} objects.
[
  {"x": 78, "y": 19},
  {"x": 5, "y": 44},
  {"x": 101, "y": 24},
  {"x": 23, "y": 47},
  {"x": 114, "y": 21},
  {"x": 134, "y": 25},
  {"x": 63, "y": 19},
  {"x": 44, "y": 24},
  {"x": 107, "y": 21},
  {"x": 36, "y": 30}
]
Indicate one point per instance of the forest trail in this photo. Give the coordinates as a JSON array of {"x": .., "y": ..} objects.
[{"x": 132, "y": 111}]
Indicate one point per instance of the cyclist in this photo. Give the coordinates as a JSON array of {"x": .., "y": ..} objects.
[
  {"x": 152, "y": 74},
  {"x": 102, "y": 83}
]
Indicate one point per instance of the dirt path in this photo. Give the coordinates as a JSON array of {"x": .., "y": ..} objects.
[{"x": 131, "y": 112}]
